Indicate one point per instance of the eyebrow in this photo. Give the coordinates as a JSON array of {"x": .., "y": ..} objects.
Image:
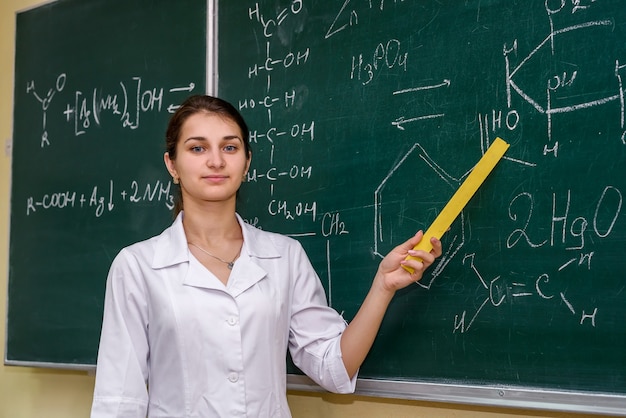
[{"x": 224, "y": 138}]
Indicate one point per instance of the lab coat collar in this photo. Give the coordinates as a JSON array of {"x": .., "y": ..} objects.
[
  {"x": 171, "y": 246},
  {"x": 171, "y": 249},
  {"x": 254, "y": 245},
  {"x": 246, "y": 272}
]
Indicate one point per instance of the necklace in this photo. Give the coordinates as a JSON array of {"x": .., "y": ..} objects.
[{"x": 229, "y": 264}]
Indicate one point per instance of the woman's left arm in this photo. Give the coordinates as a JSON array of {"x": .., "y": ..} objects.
[{"x": 359, "y": 336}]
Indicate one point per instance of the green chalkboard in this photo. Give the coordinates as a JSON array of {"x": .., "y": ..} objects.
[
  {"x": 367, "y": 115},
  {"x": 95, "y": 83}
]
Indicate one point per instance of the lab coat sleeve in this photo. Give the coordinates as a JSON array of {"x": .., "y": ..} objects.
[
  {"x": 315, "y": 332},
  {"x": 123, "y": 355}
]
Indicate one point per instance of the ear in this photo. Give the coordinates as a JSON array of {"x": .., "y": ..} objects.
[
  {"x": 169, "y": 164},
  {"x": 248, "y": 162}
]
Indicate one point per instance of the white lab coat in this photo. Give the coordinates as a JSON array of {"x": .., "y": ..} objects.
[{"x": 208, "y": 350}]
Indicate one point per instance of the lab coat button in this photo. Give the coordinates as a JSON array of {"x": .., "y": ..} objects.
[
  {"x": 232, "y": 320},
  {"x": 233, "y": 377}
]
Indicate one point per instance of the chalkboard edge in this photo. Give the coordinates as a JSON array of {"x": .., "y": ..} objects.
[
  {"x": 91, "y": 368},
  {"x": 484, "y": 395},
  {"x": 212, "y": 74},
  {"x": 35, "y": 6}
]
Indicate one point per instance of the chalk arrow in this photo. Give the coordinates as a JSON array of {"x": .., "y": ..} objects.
[
  {"x": 398, "y": 123},
  {"x": 111, "y": 205},
  {"x": 445, "y": 83},
  {"x": 190, "y": 87}
]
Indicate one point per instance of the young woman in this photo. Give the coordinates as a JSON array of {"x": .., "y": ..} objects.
[{"x": 198, "y": 319}]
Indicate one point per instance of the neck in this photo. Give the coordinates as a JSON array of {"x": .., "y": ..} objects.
[{"x": 210, "y": 225}]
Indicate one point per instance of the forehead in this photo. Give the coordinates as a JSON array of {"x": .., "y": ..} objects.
[{"x": 209, "y": 126}]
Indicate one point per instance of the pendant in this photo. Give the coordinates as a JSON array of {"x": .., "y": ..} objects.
[{"x": 230, "y": 265}]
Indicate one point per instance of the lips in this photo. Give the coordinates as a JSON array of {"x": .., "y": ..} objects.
[{"x": 215, "y": 178}]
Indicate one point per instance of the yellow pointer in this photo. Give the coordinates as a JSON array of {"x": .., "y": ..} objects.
[{"x": 464, "y": 193}]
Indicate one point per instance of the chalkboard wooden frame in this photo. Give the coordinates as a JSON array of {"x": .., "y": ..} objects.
[{"x": 515, "y": 396}]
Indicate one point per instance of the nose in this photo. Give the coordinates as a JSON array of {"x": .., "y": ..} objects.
[{"x": 215, "y": 159}]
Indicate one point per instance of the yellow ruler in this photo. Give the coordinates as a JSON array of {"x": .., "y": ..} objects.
[{"x": 464, "y": 193}]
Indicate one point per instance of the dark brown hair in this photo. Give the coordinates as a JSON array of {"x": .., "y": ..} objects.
[{"x": 191, "y": 106}]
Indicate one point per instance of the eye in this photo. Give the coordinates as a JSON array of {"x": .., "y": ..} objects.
[
  {"x": 196, "y": 149},
  {"x": 230, "y": 148}
]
